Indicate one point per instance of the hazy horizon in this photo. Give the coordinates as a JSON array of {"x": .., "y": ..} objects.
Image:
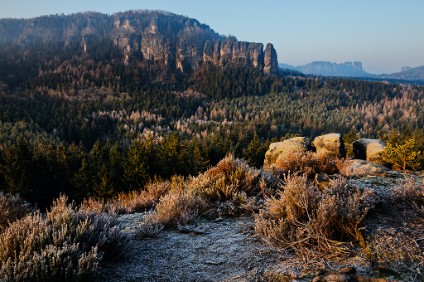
[{"x": 384, "y": 35}]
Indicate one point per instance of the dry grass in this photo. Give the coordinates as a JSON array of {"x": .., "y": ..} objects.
[
  {"x": 130, "y": 202},
  {"x": 309, "y": 164},
  {"x": 92, "y": 205},
  {"x": 63, "y": 244},
  {"x": 140, "y": 201},
  {"x": 230, "y": 188},
  {"x": 392, "y": 245},
  {"x": 410, "y": 195},
  {"x": 149, "y": 227},
  {"x": 178, "y": 208},
  {"x": 12, "y": 208},
  {"x": 312, "y": 222}
]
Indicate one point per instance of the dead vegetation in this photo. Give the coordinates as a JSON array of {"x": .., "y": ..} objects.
[
  {"x": 334, "y": 222},
  {"x": 12, "y": 208},
  {"x": 410, "y": 195},
  {"x": 229, "y": 188},
  {"x": 311, "y": 222},
  {"x": 62, "y": 244},
  {"x": 308, "y": 164}
]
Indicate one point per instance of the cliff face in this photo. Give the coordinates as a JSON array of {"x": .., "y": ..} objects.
[
  {"x": 348, "y": 69},
  {"x": 174, "y": 41},
  {"x": 414, "y": 74},
  {"x": 270, "y": 60}
]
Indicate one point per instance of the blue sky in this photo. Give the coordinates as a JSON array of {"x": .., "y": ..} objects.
[{"x": 383, "y": 34}]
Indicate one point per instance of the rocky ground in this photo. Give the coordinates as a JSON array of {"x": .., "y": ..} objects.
[
  {"x": 220, "y": 250},
  {"x": 228, "y": 250}
]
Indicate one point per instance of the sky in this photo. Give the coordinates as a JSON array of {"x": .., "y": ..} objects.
[{"x": 384, "y": 35}]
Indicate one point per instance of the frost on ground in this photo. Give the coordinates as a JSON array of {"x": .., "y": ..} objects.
[
  {"x": 222, "y": 250},
  {"x": 228, "y": 250}
]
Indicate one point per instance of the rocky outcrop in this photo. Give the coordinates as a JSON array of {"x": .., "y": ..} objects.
[
  {"x": 368, "y": 149},
  {"x": 347, "y": 69},
  {"x": 287, "y": 149},
  {"x": 329, "y": 145},
  {"x": 359, "y": 168},
  {"x": 173, "y": 41},
  {"x": 231, "y": 51},
  {"x": 270, "y": 60}
]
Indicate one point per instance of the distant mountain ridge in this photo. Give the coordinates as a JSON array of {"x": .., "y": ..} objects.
[
  {"x": 324, "y": 68},
  {"x": 173, "y": 41},
  {"x": 407, "y": 73},
  {"x": 354, "y": 69}
]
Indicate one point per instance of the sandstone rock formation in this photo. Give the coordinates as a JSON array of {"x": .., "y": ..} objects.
[
  {"x": 173, "y": 41},
  {"x": 359, "y": 168},
  {"x": 368, "y": 149},
  {"x": 280, "y": 151},
  {"x": 270, "y": 60},
  {"x": 330, "y": 145}
]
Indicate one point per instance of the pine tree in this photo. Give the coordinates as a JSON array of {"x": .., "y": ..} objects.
[
  {"x": 199, "y": 157},
  {"x": 403, "y": 155},
  {"x": 83, "y": 181},
  {"x": 136, "y": 167},
  {"x": 255, "y": 152},
  {"x": 116, "y": 167},
  {"x": 103, "y": 186}
]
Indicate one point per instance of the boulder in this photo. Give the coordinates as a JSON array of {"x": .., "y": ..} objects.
[
  {"x": 360, "y": 168},
  {"x": 368, "y": 149},
  {"x": 329, "y": 145},
  {"x": 290, "y": 148}
]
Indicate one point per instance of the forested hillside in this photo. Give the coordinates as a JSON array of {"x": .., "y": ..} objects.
[{"x": 94, "y": 123}]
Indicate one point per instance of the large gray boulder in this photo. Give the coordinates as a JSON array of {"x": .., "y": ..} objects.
[
  {"x": 368, "y": 149},
  {"x": 290, "y": 148},
  {"x": 330, "y": 145}
]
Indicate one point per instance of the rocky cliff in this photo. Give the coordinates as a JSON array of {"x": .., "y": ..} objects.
[
  {"x": 414, "y": 74},
  {"x": 174, "y": 41},
  {"x": 323, "y": 68},
  {"x": 349, "y": 69}
]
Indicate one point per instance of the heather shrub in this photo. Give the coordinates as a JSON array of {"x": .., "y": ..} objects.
[
  {"x": 12, "y": 208},
  {"x": 391, "y": 245},
  {"x": 309, "y": 164},
  {"x": 229, "y": 188},
  {"x": 63, "y": 244},
  {"x": 140, "y": 201},
  {"x": 149, "y": 227},
  {"x": 130, "y": 202},
  {"x": 178, "y": 208},
  {"x": 230, "y": 181},
  {"x": 92, "y": 205},
  {"x": 303, "y": 218},
  {"x": 409, "y": 195}
]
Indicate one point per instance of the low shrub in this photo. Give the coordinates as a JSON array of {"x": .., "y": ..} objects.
[
  {"x": 63, "y": 244},
  {"x": 230, "y": 185},
  {"x": 409, "y": 195},
  {"x": 304, "y": 218},
  {"x": 92, "y": 205},
  {"x": 130, "y": 202},
  {"x": 309, "y": 164},
  {"x": 149, "y": 227},
  {"x": 179, "y": 208},
  {"x": 229, "y": 188},
  {"x": 12, "y": 208},
  {"x": 391, "y": 245}
]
